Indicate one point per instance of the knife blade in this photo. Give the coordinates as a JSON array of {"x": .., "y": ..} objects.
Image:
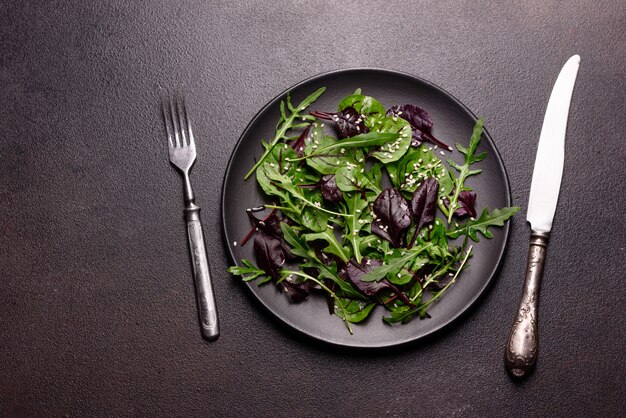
[{"x": 522, "y": 344}]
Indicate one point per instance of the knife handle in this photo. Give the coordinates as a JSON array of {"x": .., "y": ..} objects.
[
  {"x": 207, "y": 310},
  {"x": 520, "y": 353}
]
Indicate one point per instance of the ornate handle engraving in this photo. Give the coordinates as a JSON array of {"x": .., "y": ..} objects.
[
  {"x": 522, "y": 344},
  {"x": 207, "y": 310}
]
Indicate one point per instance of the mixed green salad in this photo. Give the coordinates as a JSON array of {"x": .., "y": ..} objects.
[{"x": 363, "y": 209}]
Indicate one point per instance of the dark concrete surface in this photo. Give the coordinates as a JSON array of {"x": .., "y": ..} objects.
[{"x": 97, "y": 307}]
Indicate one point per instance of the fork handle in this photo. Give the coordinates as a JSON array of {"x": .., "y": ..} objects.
[{"x": 207, "y": 310}]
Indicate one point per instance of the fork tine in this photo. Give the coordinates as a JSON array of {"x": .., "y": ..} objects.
[
  {"x": 173, "y": 112},
  {"x": 180, "y": 110},
  {"x": 188, "y": 125},
  {"x": 168, "y": 124}
]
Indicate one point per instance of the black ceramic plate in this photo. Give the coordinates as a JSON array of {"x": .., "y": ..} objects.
[{"x": 453, "y": 123}]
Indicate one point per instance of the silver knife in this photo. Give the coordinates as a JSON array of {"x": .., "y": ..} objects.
[{"x": 521, "y": 347}]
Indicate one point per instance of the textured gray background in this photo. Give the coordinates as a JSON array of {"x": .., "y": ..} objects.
[{"x": 97, "y": 309}]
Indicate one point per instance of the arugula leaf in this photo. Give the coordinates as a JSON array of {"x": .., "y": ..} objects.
[
  {"x": 356, "y": 207},
  {"x": 497, "y": 217},
  {"x": 464, "y": 170},
  {"x": 394, "y": 265},
  {"x": 285, "y": 123},
  {"x": 334, "y": 247},
  {"x": 248, "y": 272},
  {"x": 300, "y": 247}
]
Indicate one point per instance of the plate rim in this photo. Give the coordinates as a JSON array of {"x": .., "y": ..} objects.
[{"x": 466, "y": 307}]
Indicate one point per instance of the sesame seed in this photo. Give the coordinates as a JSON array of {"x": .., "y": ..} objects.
[
  {"x": 442, "y": 153},
  {"x": 234, "y": 243},
  {"x": 361, "y": 160},
  {"x": 435, "y": 147},
  {"x": 399, "y": 275}
]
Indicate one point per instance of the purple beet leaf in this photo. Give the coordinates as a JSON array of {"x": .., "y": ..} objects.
[
  {"x": 298, "y": 144},
  {"x": 424, "y": 205},
  {"x": 467, "y": 200},
  {"x": 269, "y": 253},
  {"x": 424, "y": 202},
  {"x": 349, "y": 122},
  {"x": 297, "y": 292},
  {"x": 355, "y": 271},
  {"x": 421, "y": 124},
  {"x": 392, "y": 216},
  {"x": 329, "y": 189}
]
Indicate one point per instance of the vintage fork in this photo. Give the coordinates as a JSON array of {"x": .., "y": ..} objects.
[{"x": 182, "y": 149}]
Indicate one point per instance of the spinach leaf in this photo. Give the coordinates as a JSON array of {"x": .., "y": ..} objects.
[
  {"x": 364, "y": 105},
  {"x": 390, "y": 151},
  {"x": 353, "y": 311}
]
